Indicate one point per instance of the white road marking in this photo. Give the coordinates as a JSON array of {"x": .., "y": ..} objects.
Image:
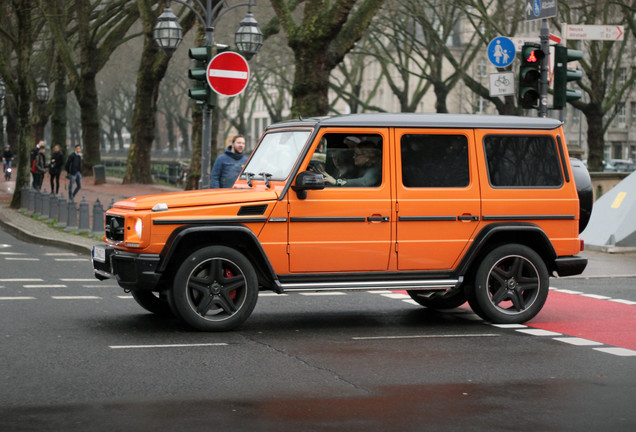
[
  {"x": 17, "y": 298},
  {"x": 78, "y": 280},
  {"x": 622, "y": 352},
  {"x": 60, "y": 254},
  {"x": 539, "y": 332},
  {"x": 45, "y": 286},
  {"x": 75, "y": 297},
  {"x": 167, "y": 346},
  {"x": 21, "y": 280},
  {"x": 577, "y": 341},
  {"x": 71, "y": 259},
  {"x": 442, "y": 336},
  {"x": 22, "y": 259},
  {"x": 330, "y": 293}
]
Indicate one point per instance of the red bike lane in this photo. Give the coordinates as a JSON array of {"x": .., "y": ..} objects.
[{"x": 599, "y": 320}]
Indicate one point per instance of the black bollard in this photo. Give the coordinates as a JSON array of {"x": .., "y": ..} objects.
[
  {"x": 98, "y": 218},
  {"x": 84, "y": 221},
  {"x": 62, "y": 214}
]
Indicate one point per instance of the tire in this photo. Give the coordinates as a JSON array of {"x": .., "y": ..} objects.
[
  {"x": 511, "y": 285},
  {"x": 215, "y": 289},
  {"x": 585, "y": 191},
  {"x": 153, "y": 302},
  {"x": 436, "y": 299}
]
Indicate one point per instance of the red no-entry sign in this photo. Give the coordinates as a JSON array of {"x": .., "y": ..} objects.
[{"x": 228, "y": 73}]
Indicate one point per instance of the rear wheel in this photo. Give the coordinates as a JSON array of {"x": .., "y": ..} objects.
[
  {"x": 215, "y": 289},
  {"x": 511, "y": 285},
  {"x": 438, "y": 300}
]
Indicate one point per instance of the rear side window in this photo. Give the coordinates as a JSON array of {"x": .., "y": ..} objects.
[
  {"x": 434, "y": 161},
  {"x": 518, "y": 161}
]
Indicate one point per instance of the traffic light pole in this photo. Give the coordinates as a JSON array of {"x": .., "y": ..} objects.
[{"x": 544, "y": 36}]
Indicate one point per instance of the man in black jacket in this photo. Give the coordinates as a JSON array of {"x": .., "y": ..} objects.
[{"x": 74, "y": 169}]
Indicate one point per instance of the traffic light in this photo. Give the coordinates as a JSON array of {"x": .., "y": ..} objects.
[
  {"x": 562, "y": 75},
  {"x": 530, "y": 75},
  {"x": 201, "y": 92}
]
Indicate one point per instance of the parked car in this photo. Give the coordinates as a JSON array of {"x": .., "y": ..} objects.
[
  {"x": 450, "y": 208},
  {"x": 620, "y": 165}
]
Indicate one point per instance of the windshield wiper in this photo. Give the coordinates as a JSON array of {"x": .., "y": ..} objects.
[
  {"x": 266, "y": 177},
  {"x": 249, "y": 176}
]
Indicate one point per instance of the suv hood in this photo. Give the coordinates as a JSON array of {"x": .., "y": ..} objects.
[{"x": 197, "y": 198}]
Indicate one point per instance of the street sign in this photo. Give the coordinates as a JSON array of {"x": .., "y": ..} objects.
[
  {"x": 537, "y": 9},
  {"x": 501, "y": 51},
  {"x": 593, "y": 32},
  {"x": 502, "y": 84},
  {"x": 228, "y": 73}
]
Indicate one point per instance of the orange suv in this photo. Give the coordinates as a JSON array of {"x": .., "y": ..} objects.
[{"x": 450, "y": 208}]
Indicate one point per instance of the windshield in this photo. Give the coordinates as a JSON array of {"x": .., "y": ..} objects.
[{"x": 276, "y": 154}]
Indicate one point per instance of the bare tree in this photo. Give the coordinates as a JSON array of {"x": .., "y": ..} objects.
[
  {"x": 608, "y": 74},
  {"x": 327, "y": 31}
]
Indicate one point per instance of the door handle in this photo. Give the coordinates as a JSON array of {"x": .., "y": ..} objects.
[
  {"x": 378, "y": 219},
  {"x": 467, "y": 217}
]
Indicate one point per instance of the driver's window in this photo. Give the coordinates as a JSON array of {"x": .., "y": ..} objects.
[{"x": 349, "y": 160}]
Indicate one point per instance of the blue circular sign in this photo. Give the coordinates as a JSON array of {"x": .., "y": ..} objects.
[{"x": 501, "y": 51}]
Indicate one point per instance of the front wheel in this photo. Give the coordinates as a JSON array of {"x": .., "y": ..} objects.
[
  {"x": 511, "y": 285},
  {"x": 152, "y": 302},
  {"x": 215, "y": 289}
]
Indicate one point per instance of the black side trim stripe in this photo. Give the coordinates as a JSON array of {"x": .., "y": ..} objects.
[
  {"x": 426, "y": 218},
  {"x": 527, "y": 217},
  {"x": 208, "y": 221},
  {"x": 328, "y": 219}
]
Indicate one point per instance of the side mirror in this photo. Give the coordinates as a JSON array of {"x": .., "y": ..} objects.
[{"x": 308, "y": 180}]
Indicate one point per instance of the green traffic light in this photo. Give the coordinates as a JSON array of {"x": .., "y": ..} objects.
[{"x": 563, "y": 75}]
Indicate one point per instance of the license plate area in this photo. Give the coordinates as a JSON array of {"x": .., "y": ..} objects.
[{"x": 99, "y": 254}]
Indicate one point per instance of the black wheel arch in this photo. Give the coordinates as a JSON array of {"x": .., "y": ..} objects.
[
  {"x": 495, "y": 235},
  {"x": 187, "y": 238}
]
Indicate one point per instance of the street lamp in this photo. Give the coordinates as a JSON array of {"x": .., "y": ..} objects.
[
  {"x": 248, "y": 39},
  {"x": 167, "y": 32},
  {"x": 42, "y": 92}
]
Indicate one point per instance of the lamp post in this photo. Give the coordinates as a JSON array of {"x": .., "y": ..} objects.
[
  {"x": 3, "y": 92},
  {"x": 42, "y": 92},
  {"x": 248, "y": 38}
]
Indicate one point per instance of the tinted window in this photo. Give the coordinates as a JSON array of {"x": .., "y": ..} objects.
[
  {"x": 522, "y": 161},
  {"x": 434, "y": 160}
]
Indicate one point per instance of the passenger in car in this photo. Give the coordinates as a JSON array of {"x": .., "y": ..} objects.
[{"x": 367, "y": 158}]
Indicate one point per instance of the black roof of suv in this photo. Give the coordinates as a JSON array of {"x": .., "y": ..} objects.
[{"x": 417, "y": 120}]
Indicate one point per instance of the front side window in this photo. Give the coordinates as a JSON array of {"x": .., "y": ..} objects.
[
  {"x": 517, "y": 161},
  {"x": 349, "y": 160},
  {"x": 277, "y": 154},
  {"x": 434, "y": 161}
]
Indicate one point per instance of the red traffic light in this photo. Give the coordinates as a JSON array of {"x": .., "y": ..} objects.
[{"x": 532, "y": 58}]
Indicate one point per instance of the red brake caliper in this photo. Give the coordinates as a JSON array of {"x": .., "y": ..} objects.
[{"x": 229, "y": 274}]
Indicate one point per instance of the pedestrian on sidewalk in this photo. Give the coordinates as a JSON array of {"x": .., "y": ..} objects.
[
  {"x": 74, "y": 169},
  {"x": 32, "y": 156},
  {"x": 7, "y": 157},
  {"x": 55, "y": 168},
  {"x": 40, "y": 167},
  {"x": 229, "y": 165}
]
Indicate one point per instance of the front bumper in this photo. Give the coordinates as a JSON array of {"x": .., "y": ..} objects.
[
  {"x": 132, "y": 271},
  {"x": 570, "y": 265}
]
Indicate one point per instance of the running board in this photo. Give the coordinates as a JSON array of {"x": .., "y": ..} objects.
[{"x": 416, "y": 285}]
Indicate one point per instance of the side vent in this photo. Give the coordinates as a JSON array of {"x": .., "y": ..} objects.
[{"x": 253, "y": 210}]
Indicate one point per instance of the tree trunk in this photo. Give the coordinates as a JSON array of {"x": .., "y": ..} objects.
[
  {"x": 58, "y": 116},
  {"x": 310, "y": 91},
  {"x": 25, "y": 45},
  {"x": 595, "y": 140},
  {"x": 86, "y": 94}
]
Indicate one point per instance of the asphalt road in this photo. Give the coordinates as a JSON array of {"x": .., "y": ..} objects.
[{"x": 80, "y": 355}]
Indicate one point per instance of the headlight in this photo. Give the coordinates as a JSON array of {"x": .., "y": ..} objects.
[{"x": 138, "y": 228}]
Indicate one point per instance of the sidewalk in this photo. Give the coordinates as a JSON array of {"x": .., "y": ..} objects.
[
  {"x": 33, "y": 230},
  {"x": 600, "y": 264}
]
